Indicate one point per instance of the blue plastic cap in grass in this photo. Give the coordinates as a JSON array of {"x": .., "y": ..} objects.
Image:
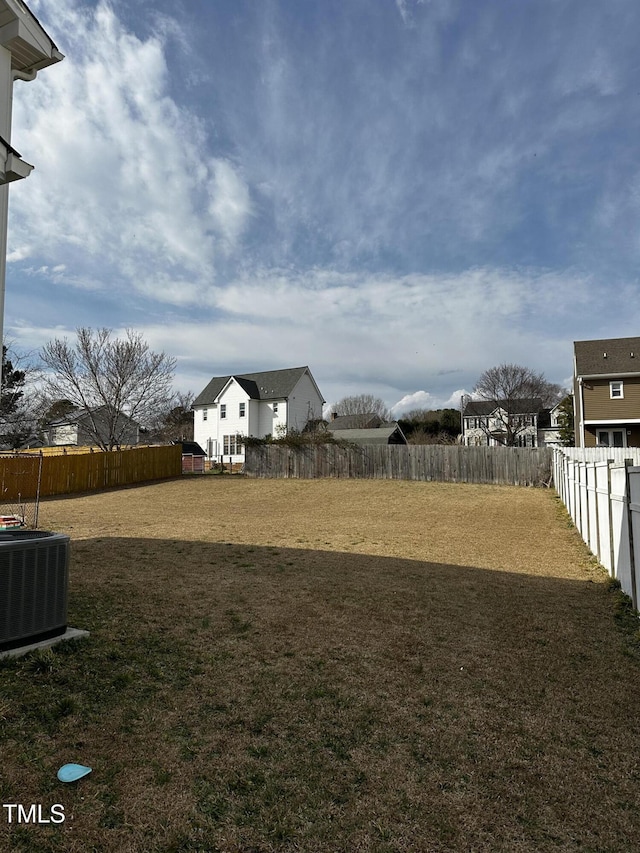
[{"x": 72, "y": 772}]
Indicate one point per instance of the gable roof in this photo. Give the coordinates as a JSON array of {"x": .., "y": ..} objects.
[
  {"x": 607, "y": 356},
  {"x": 377, "y": 435},
  {"x": 191, "y": 447},
  {"x": 526, "y": 406},
  {"x": 369, "y": 421},
  {"x": 267, "y": 385},
  {"x": 77, "y": 415}
]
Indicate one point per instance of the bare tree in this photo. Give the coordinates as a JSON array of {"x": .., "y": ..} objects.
[
  {"x": 519, "y": 393},
  {"x": 420, "y": 435},
  {"x": 175, "y": 423},
  {"x": 110, "y": 381},
  {"x": 362, "y": 404}
]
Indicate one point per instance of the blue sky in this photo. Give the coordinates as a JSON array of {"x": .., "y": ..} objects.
[{"x": 398, "y": 193}]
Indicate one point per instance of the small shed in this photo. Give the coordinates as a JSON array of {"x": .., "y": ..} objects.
[{"x": 192, "y": 457}]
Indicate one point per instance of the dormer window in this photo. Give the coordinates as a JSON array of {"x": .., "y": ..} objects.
[{"x": 616, "y": 390}]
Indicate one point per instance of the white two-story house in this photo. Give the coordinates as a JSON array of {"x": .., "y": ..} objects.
[
  {"x": 498, "y": 422},
  {"x": 253, "y": 404}
]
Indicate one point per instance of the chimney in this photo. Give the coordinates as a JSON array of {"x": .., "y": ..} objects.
[{"x": 334, "y": 415}]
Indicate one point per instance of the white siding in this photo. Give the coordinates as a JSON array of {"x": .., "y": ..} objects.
[
  {"x": 259, "y": 420},
  {"x": 270, "y": 421},
  {"x": 66, "y": 434},
  {"x": 210, "y": 433},
  {"x": 205, "y": 431},
  {"x": 232, "y": 424},
  {"x": 304, "y": 403}
]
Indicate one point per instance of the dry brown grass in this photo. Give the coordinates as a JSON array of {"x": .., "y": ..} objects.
[{"x": 328, "y": 666}]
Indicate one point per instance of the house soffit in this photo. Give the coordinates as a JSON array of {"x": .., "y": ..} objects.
[
  {"x": 606, "y": 376},
  {"x": 22, "y": 34}
]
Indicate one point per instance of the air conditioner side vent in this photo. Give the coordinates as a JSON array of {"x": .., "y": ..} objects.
[{"x": 34, "y": 581}]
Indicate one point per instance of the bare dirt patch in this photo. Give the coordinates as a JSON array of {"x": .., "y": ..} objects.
[{"x": 327, "y": 666}]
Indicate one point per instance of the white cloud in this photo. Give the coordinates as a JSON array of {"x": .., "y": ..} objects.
[
  {"x": 230, "y": 203},
  {"x": 417, "y": 400},
  {"x": 385, "y": 336},
  {"x": 425, "y": 400},
  {"x": 218, "y": 246},
  {"x": 19, "y": 253},
  {"x": 122, "y": 183}
]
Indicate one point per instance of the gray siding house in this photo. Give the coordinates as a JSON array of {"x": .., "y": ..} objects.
[{"x": 77, "y": 428}]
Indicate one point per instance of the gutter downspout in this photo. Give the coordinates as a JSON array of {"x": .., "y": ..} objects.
[{"x": 27, "y": 76}]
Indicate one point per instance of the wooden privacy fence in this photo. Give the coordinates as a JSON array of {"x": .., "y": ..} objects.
[
  {"x": 84, "y": 472},
  {"x": 602, "y": 497},
  {"x": 520, "y": 466}
]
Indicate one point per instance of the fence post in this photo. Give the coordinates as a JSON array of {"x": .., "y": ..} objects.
[
  {"x": 632, "y": 506},
  {"x": 620, "y": 521},
  {"x": 37, "y": 509}
]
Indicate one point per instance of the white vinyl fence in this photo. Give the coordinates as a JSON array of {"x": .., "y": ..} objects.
[{"x": 600, "y": 488}]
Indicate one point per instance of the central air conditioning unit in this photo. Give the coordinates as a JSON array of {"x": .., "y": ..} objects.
[{"x": 34, "y": 582}]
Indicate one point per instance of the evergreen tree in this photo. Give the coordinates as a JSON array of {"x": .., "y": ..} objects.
[
  {"x": 12, "y": 387},
  {"x": 14, "y": 425},
  {"x": 566, "y": 429}
]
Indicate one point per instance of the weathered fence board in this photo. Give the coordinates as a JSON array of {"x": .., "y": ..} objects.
[
  {"x": 521, "y": 466},
  {"x": 85, "y": 472}
]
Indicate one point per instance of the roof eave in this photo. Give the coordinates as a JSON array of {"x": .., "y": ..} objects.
[
  {"x": 30, "y": 45},
  {"x": 612, "y": 375}
]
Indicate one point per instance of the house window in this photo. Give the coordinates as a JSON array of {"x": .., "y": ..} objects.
[
  {"x": 205, "y": 414},
  {"x": 611, "y": 438},
  {"x": 231, "y": 445},
  {"x": 616, "y": 390},
  {"x": 243, "y": 408},
  {"x": 223, "y": 410},
  {"x": 525, "y": 440},
  {"x": 275, "y": 408}
]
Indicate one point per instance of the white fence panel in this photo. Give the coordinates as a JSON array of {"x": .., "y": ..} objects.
[
  {"x": 620, "y": 526},
  {"x": 603, "y": 502},
  {"x": 600, "y": 488},
  {"x": 583, "y": 498},
  {"x": 602, "y": 454},
  {"x": 572, "y": 481},
  {"x": 593, "y": 530}
]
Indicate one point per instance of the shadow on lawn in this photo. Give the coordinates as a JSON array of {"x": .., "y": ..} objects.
[{"x": 246, "y": 698}]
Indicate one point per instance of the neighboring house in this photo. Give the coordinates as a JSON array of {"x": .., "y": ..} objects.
[
  {"x": 549, "y": 426},
  {"x": 272, "y": 402},
  {"x": 368, "y": 421},
  {"x": 483, "y": 422},
  {"x": 375, "y": 431},
  {"x": 606, "y": 388},
  {"x": 76, "y": 428}
]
